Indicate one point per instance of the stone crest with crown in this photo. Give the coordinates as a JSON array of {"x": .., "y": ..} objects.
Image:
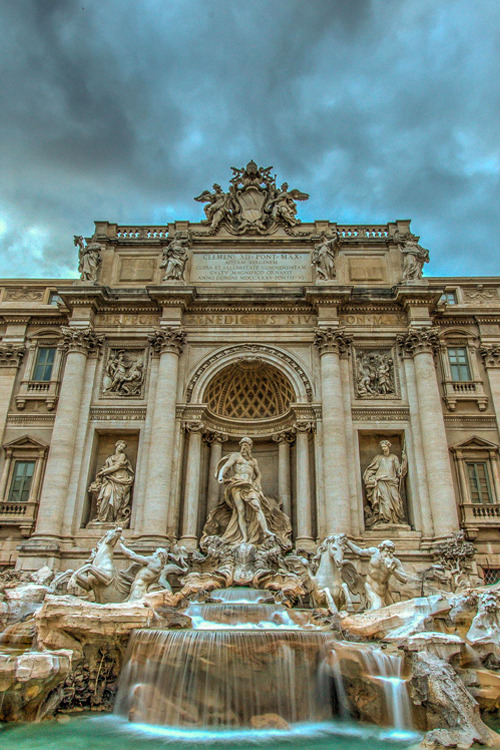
[{"x": 254, "y": 204}]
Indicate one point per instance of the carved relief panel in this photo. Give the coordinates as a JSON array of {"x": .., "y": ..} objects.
[
  {"x": 375, "y": 373},
  {"x": 124, "y": 372}
]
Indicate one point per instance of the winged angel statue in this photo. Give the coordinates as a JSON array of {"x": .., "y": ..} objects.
[{"x": 253, "y": 203}]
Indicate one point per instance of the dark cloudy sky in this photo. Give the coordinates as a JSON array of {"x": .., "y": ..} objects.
[{"x": 126, "y": 109}]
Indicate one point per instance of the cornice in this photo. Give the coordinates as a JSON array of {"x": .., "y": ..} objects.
[{"x": 172, "y": 296}]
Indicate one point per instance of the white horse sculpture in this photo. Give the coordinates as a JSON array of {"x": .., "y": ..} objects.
[
  {"x": 334, "y": 578},
  {"x": 100, "y": 574}
]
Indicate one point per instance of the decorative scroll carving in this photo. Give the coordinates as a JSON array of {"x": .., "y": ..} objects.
[
  {"x": 414, "y": 256},
  {"x": 23, "y": 294},
  {"x": 212, "y": 436},
  {"x": 332, "y": 340},
  {"x": 81, "y": 340},
  {"x": 125, "y": 370},
  {"x": 383, "y": 480},
  {"x": 490, "y": 355},
  {"x": 253, "y": 204},
  {"x": 481, "y": 294},
  {"x": 374, "y": 375},
  {"x": 112, "y": 486},
  {"x": 89, "y": 258},
  {"x": 167, "y": 340},
  {"x": 174, "y": 257},
  {"x": 11, "y": 355},
  {"x": 323, "y": 257},
  {"x": 417, "y": 340}
]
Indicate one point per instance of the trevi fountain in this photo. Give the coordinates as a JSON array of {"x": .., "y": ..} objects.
[{"x": 249, "y": 489}]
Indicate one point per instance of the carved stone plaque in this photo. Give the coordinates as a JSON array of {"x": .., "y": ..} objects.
[
  {"x": 124, "y": 373},
  {"x": 250, "y": 267}
]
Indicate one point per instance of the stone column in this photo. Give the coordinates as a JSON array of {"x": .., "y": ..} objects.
[
  {"x": 284, "y": 440},
  {"x": 192, "y": 485},
  {"x": 167, "y": 343},
  {"x": 421, "y": 344},
  {"x": 491, "y": 358},
  {"x": 331, "y": 343},
  {"x": 304, "y": 510},
  {"x": 78, "y": 343},
  {"x": 215, "y": 440},
  {"x": 11, "y": 356}
]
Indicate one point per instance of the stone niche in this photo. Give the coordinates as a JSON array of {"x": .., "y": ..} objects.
[
  {"x": 104, "y": 446},
  {"x": 369, "y": 448}
]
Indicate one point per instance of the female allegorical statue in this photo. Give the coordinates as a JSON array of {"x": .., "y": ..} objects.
[{"x": 113, "y": 484}]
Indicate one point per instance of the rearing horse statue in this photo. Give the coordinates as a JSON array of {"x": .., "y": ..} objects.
[
  {"x": 334, "y": 578},
  {"x": 100, "y": 574}
]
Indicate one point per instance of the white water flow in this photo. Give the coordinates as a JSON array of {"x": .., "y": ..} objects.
[
  {"x": 245, "y": 659},
  {"x": 224, "y": 678},
  {"x": 387, "y": 669}
]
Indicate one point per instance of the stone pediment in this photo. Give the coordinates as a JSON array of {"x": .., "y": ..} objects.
[
  {"x": 25, "y": 443},
  {"x": 474, "y": 442}
]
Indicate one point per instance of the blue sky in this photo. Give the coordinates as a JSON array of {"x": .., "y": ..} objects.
[{"x": 125, "y": 110}]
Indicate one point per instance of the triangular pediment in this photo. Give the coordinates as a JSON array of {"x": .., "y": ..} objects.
[
  {"x": 25, "y": 442},
  {"x": 475, "y": 442}
]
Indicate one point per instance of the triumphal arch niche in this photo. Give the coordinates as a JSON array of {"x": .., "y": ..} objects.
[
  {"x": 366, "y": 392},
  {"x": 260, "y": 392}
]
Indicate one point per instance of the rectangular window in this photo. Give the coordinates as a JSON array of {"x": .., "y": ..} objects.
[
  {"x": 459, "y": 363},
  {"x": 44, "y": 363},
  {"x": 479, "y": 483},
  {"x": 21, "y": 481},
  {"x": 491, "y": 576},
  {"x": 450, "y": 298}
]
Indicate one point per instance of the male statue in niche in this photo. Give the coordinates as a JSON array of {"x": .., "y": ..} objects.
[{"x": 245, "y": 514}]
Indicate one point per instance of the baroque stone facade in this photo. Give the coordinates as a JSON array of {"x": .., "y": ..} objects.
[{"x": 318, "y": 341}]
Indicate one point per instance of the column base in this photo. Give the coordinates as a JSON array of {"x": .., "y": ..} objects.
[
  {"x": 151, "y": 541},
  {"x": 189, "y": 542},
  {"x": 39, "y": 551},
  {"x": 306, "y": 543}
]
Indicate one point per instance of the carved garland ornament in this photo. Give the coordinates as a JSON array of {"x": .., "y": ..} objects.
[{"x": 254, "y": 349}]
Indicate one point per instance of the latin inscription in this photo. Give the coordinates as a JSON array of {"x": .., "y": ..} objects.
[
  {"x": 127, "y": 319},
  {"x": 250, "y": 267},
  {"x": 249, "y": 319},
  {"x": 382, "y": 319}
]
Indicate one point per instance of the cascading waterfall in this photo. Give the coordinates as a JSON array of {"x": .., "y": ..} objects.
[
  {"x": 246, "y": 659},
  {"x": 226, "y": 678}
]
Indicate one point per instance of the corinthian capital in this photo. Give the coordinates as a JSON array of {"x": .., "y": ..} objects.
[
  {"x": 331, "y": 340},
  {"x": 81, "y": 340},
  {"x": 167, "y": 340},
  {"x": 490, "y": 355},
  {"x": 11, "y": 355},
  {"x": 417, "y": 340}
]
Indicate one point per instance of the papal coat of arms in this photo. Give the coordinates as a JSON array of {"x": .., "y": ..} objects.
[{"x": 253, "y": 204}]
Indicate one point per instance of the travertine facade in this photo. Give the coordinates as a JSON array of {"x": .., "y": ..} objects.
[{"x": 316, "y": 340}]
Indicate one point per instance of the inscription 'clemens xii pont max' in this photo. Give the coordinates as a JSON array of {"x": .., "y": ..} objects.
[{"x": 256, "y": 267}]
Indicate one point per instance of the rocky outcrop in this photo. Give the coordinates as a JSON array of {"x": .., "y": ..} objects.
[
  {"x": 449, "y": 710},
  {"x": 396, "y": 621},
  {"x": 69, "y": 622},
  {"x": 26, "y": 681}
]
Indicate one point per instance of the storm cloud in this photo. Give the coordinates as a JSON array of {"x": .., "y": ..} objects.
[{"x": 125, "y": 110}]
